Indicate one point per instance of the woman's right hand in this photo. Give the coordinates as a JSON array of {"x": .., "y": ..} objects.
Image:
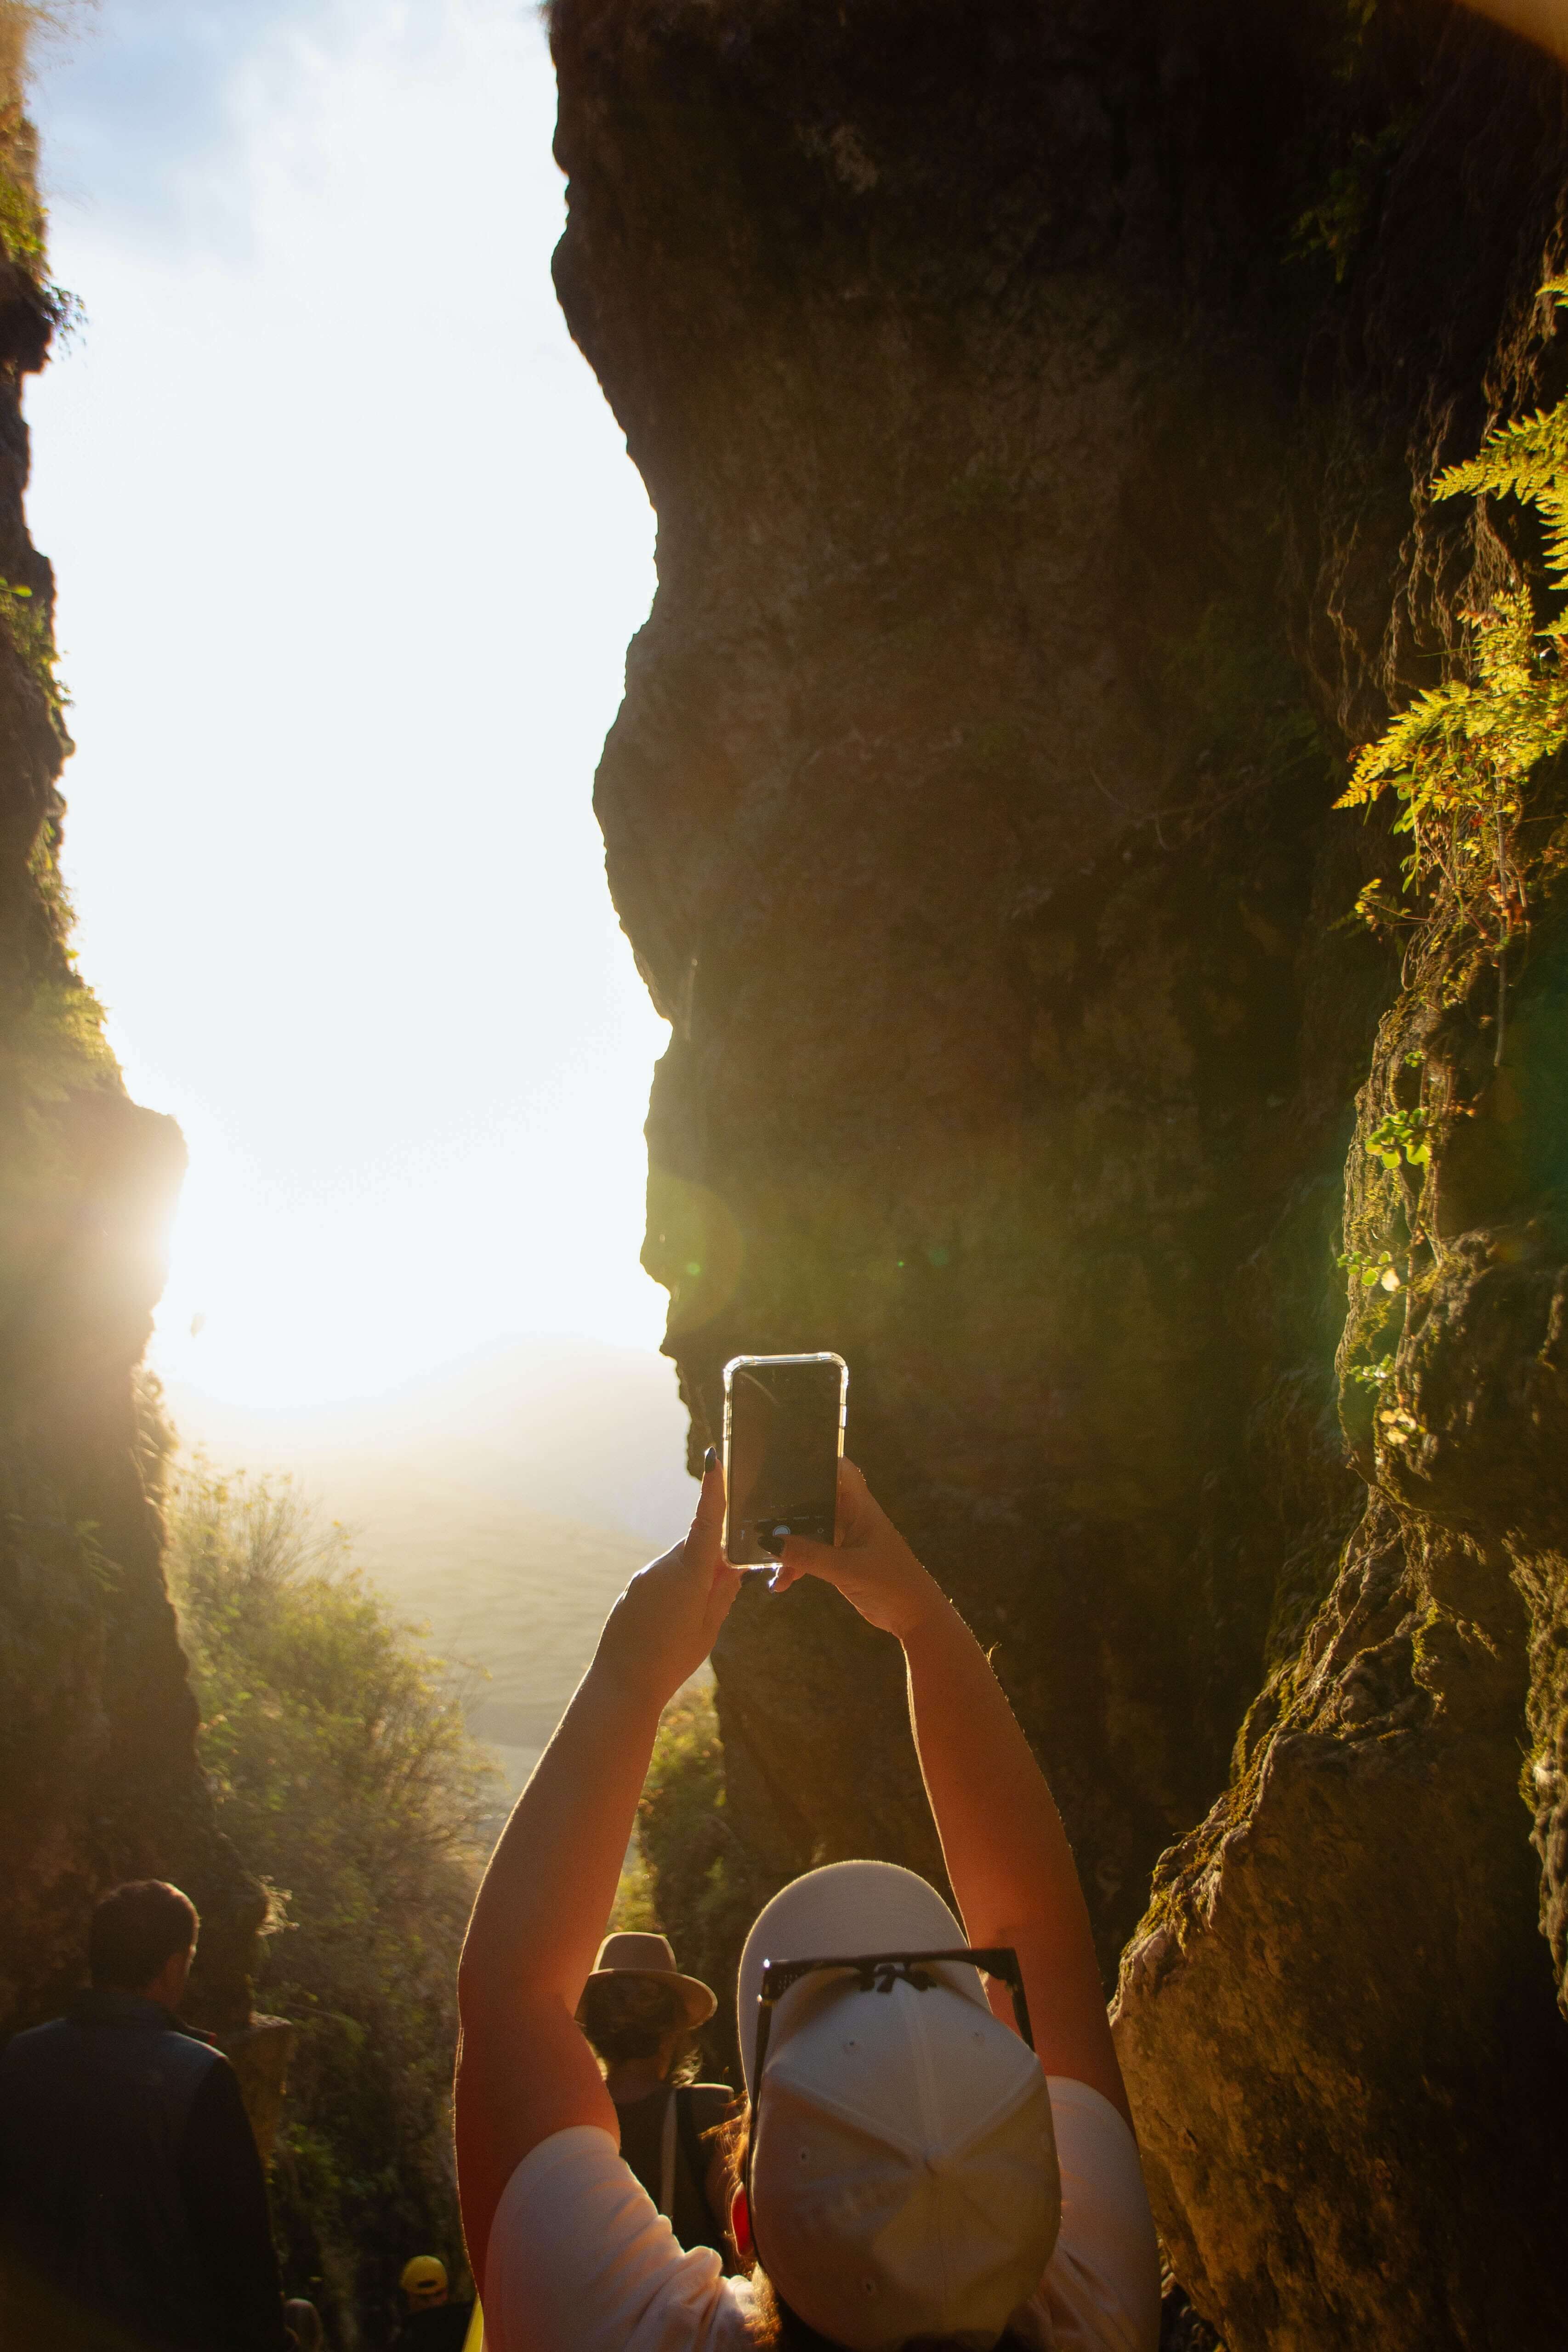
[{"x": 868, "y": 1561}]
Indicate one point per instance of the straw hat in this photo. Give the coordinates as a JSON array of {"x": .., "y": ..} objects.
[{"x": 650, "y": 1957}]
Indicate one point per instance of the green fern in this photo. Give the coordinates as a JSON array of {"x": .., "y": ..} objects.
[
  {"x": 1529, "y": 459},
  {"x": 1461, "y": 756}
]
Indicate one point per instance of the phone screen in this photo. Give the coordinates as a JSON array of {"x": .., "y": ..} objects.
[{"x": 783, "y": 1432}]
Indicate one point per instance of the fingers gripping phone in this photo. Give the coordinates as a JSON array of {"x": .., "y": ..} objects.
[{"x": 783, "y": 1432}]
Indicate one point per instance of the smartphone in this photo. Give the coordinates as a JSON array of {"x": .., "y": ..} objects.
[{"x": 783, "y": 1432}]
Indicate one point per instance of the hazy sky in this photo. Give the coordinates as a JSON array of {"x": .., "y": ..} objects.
[{"x": 348, "y": 551}]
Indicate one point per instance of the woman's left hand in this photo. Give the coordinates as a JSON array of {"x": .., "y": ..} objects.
[{"x": 668, "y": 1619}]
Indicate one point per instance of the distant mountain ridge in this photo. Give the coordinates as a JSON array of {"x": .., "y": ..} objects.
[
  {"x": 592, "y": 1433},
  {"x": 504, "y": 1501}
]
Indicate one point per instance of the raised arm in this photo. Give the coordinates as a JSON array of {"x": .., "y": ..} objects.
[
  {"x": 1001, "y": 1838},
  {"x": 525, "y": 2071}
]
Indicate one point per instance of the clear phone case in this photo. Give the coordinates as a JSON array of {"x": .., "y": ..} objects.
[{"x": 783, "y": 1442}]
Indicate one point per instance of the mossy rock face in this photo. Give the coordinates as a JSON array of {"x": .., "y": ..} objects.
[
  {"x": 99, "y": 1779},
  {"x": 1343, "y": 1963},
  {"x": 1037, "y": 403},
  {"x": 1337, "y": 2018}
]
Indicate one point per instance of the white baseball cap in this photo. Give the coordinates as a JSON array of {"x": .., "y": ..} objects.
[{"x": 903, "y": 2174}]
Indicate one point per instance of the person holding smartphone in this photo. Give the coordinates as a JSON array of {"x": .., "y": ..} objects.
[{"x": 908, "y": 2170}]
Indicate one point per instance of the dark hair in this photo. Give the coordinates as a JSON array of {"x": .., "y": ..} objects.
[
  {"x": 626, "y": 2017},
  {"x": 136, "y": 1930},
  {"x": 775, "y": 2328}
]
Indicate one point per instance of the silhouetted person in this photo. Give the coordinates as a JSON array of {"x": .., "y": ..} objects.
[
  {"x": 433, "y": 2323},
  {"x": 133, "y": 2203}
]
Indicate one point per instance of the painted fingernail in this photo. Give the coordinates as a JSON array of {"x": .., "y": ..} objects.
[{"x": 710, "y": 1460}]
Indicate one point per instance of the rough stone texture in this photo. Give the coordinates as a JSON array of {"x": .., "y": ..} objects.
[
  {"x": 1356, "y": 1915},
  {"x": 1386, "y": 1756},
  {"x": 1337, "y": 2024},
  {"x": 958, "y": 812},
  {"x": 1035, "y": 401},
  {"x": 99, "y": 1779}
]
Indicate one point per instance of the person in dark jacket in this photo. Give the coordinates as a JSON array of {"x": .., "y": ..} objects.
[{"x": 132, "y": 2202}]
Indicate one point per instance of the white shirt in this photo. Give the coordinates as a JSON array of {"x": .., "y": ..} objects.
[{"x": 581, "y": 2261}]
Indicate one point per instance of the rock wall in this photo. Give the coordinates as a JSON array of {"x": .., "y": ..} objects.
[
  {"x": 98, "y": 1778},
  {"x": 1037, "y": 401}
]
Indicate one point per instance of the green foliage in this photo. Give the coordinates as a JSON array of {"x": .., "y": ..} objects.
[
  {"x": 692, "y": 1882},
  {"x": 1528, "y": 460},
  {"x": 1401, "y": 1134},
  {"x": 24, "y": 225},
  {"x": 1335, "y": 225},
  {"x": 32, "y": 636},
  {"x": 1462, "y": 757},
  {"x": 1378, "y": 1273},
  {"x": 53, "y": 1048},
  {"x": 23, "y": 620},
  {"x": 57, "y": 1045},
  {"x": 21, "y": 224},
  {"x": 343, "y": 1773},
  {"x": 48, "y": 883},
  {"x": 1475, "y": 767},
  {"x": 634, "y": 1910}
]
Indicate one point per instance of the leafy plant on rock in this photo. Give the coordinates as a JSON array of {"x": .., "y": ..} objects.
[
  {"x": 32, "y": 636},
  {"x": 1475, "y": 766},
  {"x": 24, "y": 223},
  {"x": 1401, "y": 1135},
  {"x": 1462, "y": 759}
]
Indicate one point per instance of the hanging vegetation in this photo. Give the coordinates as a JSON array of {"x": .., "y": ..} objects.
[{"x": 1464, "y": 757}]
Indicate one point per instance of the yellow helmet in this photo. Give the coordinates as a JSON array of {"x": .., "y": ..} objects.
[{"x": 424, "y": 2276}]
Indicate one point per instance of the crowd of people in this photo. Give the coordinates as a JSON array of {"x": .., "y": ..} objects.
[{"x": 932, "y": 2150}]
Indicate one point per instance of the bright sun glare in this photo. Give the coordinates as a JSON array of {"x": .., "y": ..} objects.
[{"x": 349, "y": 552}]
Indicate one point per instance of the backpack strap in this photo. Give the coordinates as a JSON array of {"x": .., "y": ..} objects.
[
  {"x": 667, "y": 2158},
  {"x": 690, "y": 2141}
]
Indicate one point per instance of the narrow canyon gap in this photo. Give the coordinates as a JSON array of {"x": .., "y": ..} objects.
[{"x": 1037, "y": 401}]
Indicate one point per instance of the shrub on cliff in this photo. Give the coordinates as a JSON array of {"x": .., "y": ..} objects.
[
  {"x": 344, "y": 1774},
  {"x": 690, "y": 1878}
]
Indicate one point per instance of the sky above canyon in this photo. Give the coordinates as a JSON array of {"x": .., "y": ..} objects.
[{"x": 349, "y": 549}]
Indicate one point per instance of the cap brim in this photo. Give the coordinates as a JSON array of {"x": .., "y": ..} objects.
[
  {"x": 701, "y": 1999},
  {"x": 843, "y": 1910}
]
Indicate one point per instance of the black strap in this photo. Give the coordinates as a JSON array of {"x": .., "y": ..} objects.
[{"x": 691, "y": 2142}]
